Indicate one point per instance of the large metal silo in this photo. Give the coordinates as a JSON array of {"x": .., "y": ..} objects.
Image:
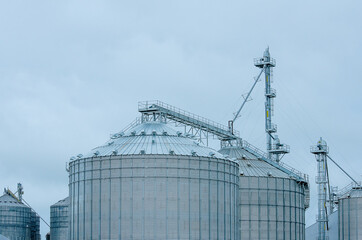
[
  {"x": 272, "y": 201},
  {"x": 152, "y": 182},
  {"x": 350, "y": 214},
  {"x": 59, "y": 220},
  {"x": 15, "y": 218}
]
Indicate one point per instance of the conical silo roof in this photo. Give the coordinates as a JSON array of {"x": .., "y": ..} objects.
[
  {"x": 251, "y": 165},
  {"x": 152, "y": 137},
  {"x": 63, "y": 202},
  {"x": 7, "y": 200}
]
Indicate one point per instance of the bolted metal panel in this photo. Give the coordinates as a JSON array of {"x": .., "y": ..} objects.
[
  {"x": 15, "y": 219},
  {"x": 35, "y": 226},
  {"x": 350, "y": 215},
  {"x": 271, "y": 202},
  {"x": 153, "y": 197},
  {"x": 271, "y": 208},
  {"x": 59, "y": 220}
]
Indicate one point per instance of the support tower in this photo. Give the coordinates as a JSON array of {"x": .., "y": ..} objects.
[
  {"x": 273, "y": 145},
  {"x": 321, "y": 151}
]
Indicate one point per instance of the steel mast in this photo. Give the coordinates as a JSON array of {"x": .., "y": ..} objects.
[
  {"x": 273, "y": 145},
  {"x": 321, "y": 151}
]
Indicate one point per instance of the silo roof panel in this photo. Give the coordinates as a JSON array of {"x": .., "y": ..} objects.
[
  {"x": 63, "y": 202},
  {"x": 251, "y": 165},
  {"x": 7, "y": 200},
  {"x": 153, "y": 138}
]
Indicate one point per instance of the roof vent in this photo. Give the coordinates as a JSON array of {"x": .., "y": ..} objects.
[
  {"x": 179, "y": 133},
  {"x": 133, "y": 133},
  {"x": 79, "y": 155},
  {"x": 114, "y": 136},
  {"x": 164, "y": 133},
  {"x": 110, "y": 143},
  {"x": 193, "y": 153},
  {"x": 248, "y": 164},
  {"x": 269, "y": 174},
  {"x": 172, "y": 152},
  {"x": 243, "y": 156},
  {"x": 142, "y": 151},
  {"x": 154, "y": 133},
  {"x": 114, "y": 152},
  {"x": 241, "y": 173},
  {"x": 96, "y": 153},
  {"x": 143, "y": 133},
  {"x": 211, "y": 154}
]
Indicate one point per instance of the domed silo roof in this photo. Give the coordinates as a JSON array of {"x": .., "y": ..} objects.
[{"x": 152, "y": 138}]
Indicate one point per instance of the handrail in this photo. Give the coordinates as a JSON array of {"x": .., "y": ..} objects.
[{"x": 148, "y": 105}]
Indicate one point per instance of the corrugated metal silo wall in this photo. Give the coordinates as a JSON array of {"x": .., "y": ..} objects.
[
  {"x": 271, "y": 208},
  {"x": 35, "y": 226},
  {"x": 59, "y": 222},
  {"x": 15, "y": 222},
  {"x": 350, "y": 218},
  {"x": 153, "y": 197}
]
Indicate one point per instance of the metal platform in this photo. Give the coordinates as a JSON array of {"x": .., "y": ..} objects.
[{"x": 151, "y": 108}]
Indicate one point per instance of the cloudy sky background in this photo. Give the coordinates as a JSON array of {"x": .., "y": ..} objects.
[{"x": 72, "y": 72}]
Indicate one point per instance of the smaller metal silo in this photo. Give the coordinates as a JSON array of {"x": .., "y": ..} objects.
[
  {"x": 59, "y": 224},
  {"x": 272, "y": 199},
  {"x": 350, "y": 213},
  {"x": 15, "y": 218}
]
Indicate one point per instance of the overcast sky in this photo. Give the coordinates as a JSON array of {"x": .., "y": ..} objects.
[{"x": 72, "y": 72}]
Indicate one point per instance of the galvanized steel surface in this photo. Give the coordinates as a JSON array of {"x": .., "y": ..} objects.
[
  {"x": 59, "y": 220},
  {"x": 152, "y": 138},
  {"x": 153, "y": 197},
  {"x": 271, "y": 208},
  {"x": 15, "y": 219},
  {"x": 311, "y": 232},
  {"x": 271, "y": 203},
  {"x": 350, "y": 215},
  {"x": 3, "y": 237}
]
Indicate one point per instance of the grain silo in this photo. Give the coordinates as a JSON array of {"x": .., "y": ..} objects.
[
  {"x": 272, "y": 198},
  {"x": 350, "y": 213},
  {"x": 17, "y": 221},
  {"x": 152, "y": 182},
  {"x": 59, "y": 220}
]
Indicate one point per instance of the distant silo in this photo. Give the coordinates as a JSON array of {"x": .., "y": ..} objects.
[
  {"x": 59, "y": 220},
  {"x": 17, "y": 221},
  {"x": 350, "y": 214},
  {"x": 272, "y": 201},
  {"x": 15, "y": 218},
  {"x": 152, "y": 182}
]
